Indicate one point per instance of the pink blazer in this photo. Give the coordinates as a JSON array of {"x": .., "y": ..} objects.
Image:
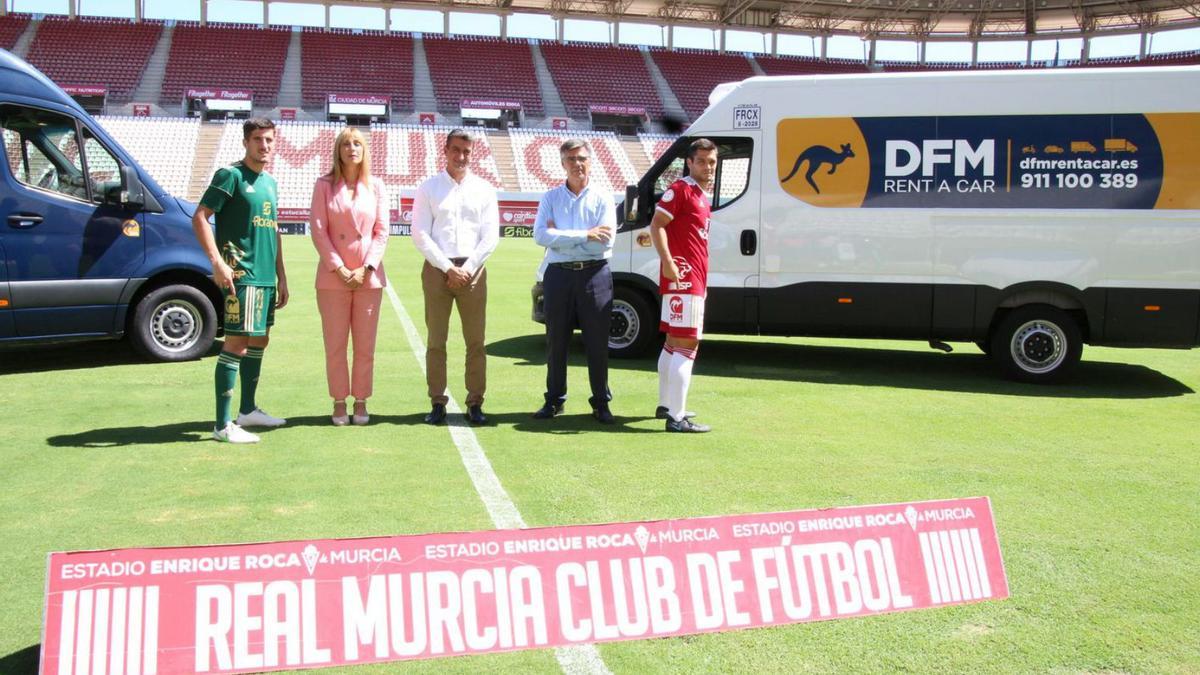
[{"x": 349, "y": 231}]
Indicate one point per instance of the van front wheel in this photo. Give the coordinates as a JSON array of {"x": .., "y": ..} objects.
[
  {"x": 634, "y": 324},
  {"x": 174, "y": 323},
  {"x": 1037, "y": 343}
]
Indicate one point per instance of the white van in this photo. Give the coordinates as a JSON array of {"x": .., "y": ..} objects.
[{"x": 1026, "y": 211}]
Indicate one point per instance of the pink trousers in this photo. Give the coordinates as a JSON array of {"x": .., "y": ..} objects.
[{"x": 346, "y": 313}]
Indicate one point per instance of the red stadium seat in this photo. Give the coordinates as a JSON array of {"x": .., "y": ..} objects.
[
  {"x": 233, "y": 56},
  {"x": 482, "y": 68},
  {"x": 105, "y": 52}
]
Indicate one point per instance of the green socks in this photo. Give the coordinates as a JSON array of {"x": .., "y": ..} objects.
[
  {"x": 251, "y": 367},
  {"x": 225, "y": 377}
]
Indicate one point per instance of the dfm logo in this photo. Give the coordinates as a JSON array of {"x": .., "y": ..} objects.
[
  {"x": 676, "y": 305},
  {"x": 904, "y": 158}
]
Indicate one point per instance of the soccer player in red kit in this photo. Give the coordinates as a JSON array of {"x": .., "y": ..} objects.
[{"x": 680, "y": 235}]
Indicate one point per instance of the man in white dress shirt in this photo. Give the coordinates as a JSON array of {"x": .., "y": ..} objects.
[{"x": 455, "y": 225}]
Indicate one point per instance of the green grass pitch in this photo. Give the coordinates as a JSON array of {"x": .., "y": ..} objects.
[{"x": 1095, "y": 483}]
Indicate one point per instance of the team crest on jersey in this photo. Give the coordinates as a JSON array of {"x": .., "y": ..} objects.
[
  {"x": 668, "y": 195},
  {"x": 233, "y": 309}
]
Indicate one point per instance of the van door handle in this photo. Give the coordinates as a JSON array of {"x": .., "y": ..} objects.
[
  {"x": 23, "y": 220},
  {"x": 749, "y": 242}
]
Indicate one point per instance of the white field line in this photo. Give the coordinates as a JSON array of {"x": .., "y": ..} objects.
[{"x": 576, "y": 659}]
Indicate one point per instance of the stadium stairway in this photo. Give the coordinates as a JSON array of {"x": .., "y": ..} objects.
[
  {"x": 21, "y": 48},
  {"x": 636, "y": 153},
  {"x": 502, "y": 151},
  {"x": 551, "y": 100},
  {"x": 289, "y": 84},
  {"x": 423, "y": 96},
  {"x": 205, "y": 159},
  {"x": 671, "y": 105},
  {"x": 754, "y": 65},
  {"x": 156, "y": 68}
]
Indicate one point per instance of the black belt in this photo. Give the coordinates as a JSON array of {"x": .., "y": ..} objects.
[
  {"x": 458, "y": 262},
  {"x": 578, "y": 264}
]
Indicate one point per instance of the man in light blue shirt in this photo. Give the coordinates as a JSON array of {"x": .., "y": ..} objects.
[{"x": 576, "y": 223}]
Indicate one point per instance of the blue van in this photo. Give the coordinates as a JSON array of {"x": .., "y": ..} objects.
[{"x": 91, "y": 246}]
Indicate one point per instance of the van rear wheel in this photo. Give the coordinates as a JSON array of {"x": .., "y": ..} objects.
[
  {"x": 1037, "y": 343},
  {"x": 634, "y": 324},
  {"x": 174, "y": 323}
]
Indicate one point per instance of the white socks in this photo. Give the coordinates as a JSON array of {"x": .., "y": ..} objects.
[
  {"x": 664, "y": 363},
  {"x": 678, "y": 379}
]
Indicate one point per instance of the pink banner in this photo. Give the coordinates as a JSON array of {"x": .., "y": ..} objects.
[
  {"x": 287, "y": 113},
  {"x": 365, "y": 99},
  {"x": 223, "y": 94},
  {"x": 309, "y": 604},
  {"x": 618, "y": 110},
  {"x": 491, "y": 104},
  {"x": 141, "y": 109},
  {"x": 84, "y": 90},
  {"x": 427, "y": 119}
]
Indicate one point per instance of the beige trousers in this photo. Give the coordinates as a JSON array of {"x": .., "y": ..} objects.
[{"x": 472, "y": 311}]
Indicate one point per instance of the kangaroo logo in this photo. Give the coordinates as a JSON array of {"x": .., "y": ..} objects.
[{"x": 816, "y": 155}]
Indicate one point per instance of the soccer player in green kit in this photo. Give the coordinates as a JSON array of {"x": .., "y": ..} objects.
[{"x": 247, "y": 266}]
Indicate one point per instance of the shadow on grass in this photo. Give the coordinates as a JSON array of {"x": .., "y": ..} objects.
[
  {"x": 22, "y": 662},
  {"x": 568, "y": 423},
  {"x": 190, "y": 432},
  {"x": 74, "y": 356},
  {"x": 967, "y": 371},
  {"x": 116, "y": 437}
]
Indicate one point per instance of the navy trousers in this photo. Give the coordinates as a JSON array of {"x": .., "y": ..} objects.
[{"x": 584, "y": 296}]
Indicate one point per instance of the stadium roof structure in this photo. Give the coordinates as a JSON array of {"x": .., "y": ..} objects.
[{"x": 870, "y": 19}]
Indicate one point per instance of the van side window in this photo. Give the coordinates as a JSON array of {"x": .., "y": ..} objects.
[
  {"x": 733, "y": 170},
  {"x": 42, "y": 150},
  {"x": 672, "y": 173},
  {"x": 734, "y": 157},
  {"x": 104, "y": 170}
]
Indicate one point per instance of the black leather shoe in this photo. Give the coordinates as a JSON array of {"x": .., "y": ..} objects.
[
  {"x": 437, "y": 415},
  {"x": 475, "y": 415},
  {"x": 603, "y": 415},
  {"x": 548, "y": 411},
  {"x": 687, "y": 426},
  {"x": 661, "y": 413}
]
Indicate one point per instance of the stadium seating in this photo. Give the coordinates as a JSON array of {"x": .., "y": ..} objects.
[
  {"x": 164, "y": 146},
  {"x": 11, "y": 28},
  {"x": 539, "y": 167},
  {"x": 303, "y": 152},
  {"x": 469, "y": 67},
  {"x": 655, "y": 145},
  {"x": 404, "y": 155},
  {"x": 803, "y": 65},
  {"x": 232, "y": 56},
  {"x": 593, "y": 74},
  {"x": 693, "y": 74},
  {"x": 95, "y": 51},
  {"x": 363, "y": 62}
]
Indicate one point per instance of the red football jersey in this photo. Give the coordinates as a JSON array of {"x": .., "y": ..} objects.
[{"x": 687, "y": 236}]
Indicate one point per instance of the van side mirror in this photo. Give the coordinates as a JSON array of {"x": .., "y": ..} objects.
[
  {"x": 133, "y": 193},
  {"x": 630, "y": 207}
]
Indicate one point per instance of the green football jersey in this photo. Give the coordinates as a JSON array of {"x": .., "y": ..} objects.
[{"x": 244, "y": 203}]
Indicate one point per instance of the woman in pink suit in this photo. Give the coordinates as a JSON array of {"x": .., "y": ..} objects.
[{"x": 349, "y": 230}]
